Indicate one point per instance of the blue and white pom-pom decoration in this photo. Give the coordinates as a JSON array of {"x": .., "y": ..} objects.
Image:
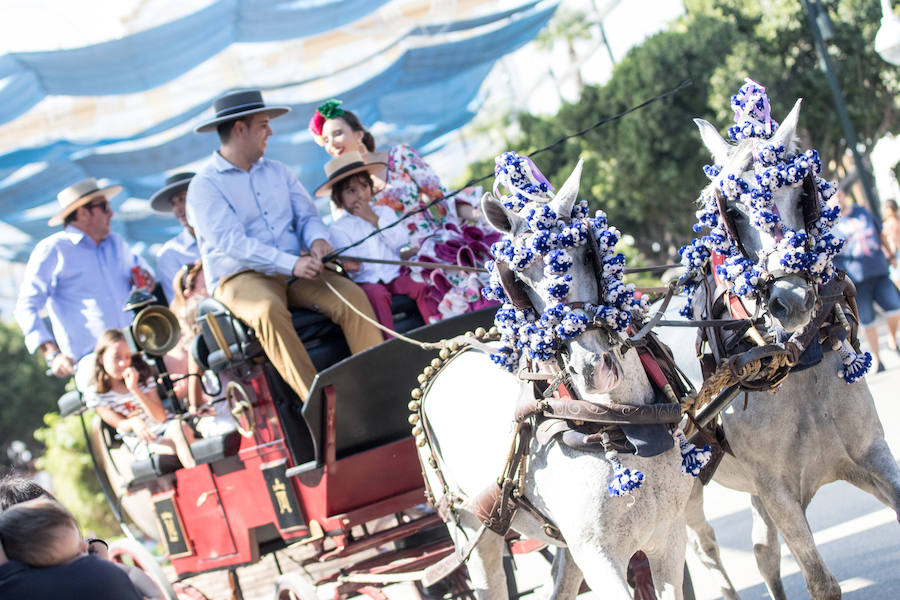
[
  {"x": 809, "y": 252},
  {"x": 854, "y": 365},
  {"x": 525, "y": 332},
  {"x": 624, "y": 480},
  {"x": 693, "y": 459}
]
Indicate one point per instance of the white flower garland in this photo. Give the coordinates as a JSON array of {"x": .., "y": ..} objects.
[
  {"x": 553, "y": 236},
  {"x": 809, "y": 252}
]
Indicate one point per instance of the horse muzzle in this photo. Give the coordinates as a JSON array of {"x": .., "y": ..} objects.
[
  {"x": 791, "y": 302},
  {"x": 600, "y": 375}
]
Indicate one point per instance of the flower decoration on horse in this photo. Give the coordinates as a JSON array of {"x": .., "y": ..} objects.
[
  {"x": 551, "y": 238},
  {"x": 810, "y": 252},
  {"x": 747, "y": 180}
]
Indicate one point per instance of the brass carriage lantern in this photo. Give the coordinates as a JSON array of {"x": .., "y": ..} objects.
[{"x": 887, "y": 40}]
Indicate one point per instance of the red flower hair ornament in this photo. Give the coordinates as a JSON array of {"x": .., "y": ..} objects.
[{"x": 330, "y": 109}]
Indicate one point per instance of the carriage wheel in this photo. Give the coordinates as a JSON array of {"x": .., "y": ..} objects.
[
  {"x": 129, "y": 552},
  {"x": 295, "y": 586},
  {"x": 241, "y": 408}
]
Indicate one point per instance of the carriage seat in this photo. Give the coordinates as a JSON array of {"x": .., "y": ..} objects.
[
  {"x": 152, "y": 467},
  {"x": 224, "y": 341},
  {"x": 324, "y": 341},
  {"x": 212, "y": 449}
]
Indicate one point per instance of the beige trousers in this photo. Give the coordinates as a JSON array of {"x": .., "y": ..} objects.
[{"x": 264, "y": 302}]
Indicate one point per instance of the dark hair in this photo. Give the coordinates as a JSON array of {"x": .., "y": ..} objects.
[
  {"x": 15, "y": 489},
  {"x": 337, "y": 189},
  {"x": 224, "y": 129},
  {"x": 352, "y": 120},
  {"x": 891, "y": 205},
  {"x": 29, "y": 531},
  {"x": 101, "y": 379},
  {"x": 70, "y": 218}
]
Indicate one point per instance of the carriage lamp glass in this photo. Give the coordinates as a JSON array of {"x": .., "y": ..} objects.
[{"x": 887, "y": 41}]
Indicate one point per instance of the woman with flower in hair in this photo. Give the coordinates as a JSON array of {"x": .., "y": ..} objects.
[{"x": 440, "y": 231}]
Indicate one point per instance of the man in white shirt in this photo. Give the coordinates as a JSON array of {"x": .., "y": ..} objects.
[
  {"x": 258, "y": 229},
  {"x": 82, "y": 275},
  {"x": 182, "y": 249}
]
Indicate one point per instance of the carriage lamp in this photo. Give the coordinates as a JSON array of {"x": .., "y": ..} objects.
[{"x": 887, "y": 41}]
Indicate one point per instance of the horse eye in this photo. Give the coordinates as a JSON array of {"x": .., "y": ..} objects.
[{"x": 734, "y": 214}]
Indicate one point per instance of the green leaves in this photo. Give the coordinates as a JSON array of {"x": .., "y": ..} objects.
[{"x": 645, "y": 170}]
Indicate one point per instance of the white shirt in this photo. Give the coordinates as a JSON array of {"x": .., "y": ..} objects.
[
  {"x": 349, "y": 228},
  {"x": 84, "y": 287},
  {"x": 179, "y": 251},
  {"x": 257, "y": 220}
]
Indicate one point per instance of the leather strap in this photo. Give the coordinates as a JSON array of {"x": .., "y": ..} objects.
[{"x": 511, "y": 286}]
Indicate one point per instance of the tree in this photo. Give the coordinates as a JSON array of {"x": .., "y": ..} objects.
[
  {"x": 27, "y": 393},
  {"x": 75, "y": 484},
  {"x": 645, "y": 170},
  {"x": 567, "y": 25}
]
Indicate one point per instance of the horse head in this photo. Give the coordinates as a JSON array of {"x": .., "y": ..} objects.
[
  {"x": 765, "y": 208},
  {"x": 560, "y": 281}
]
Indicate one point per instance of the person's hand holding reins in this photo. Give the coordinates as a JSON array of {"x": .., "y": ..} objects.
[
  {"x": 307, "y": 267},
  {"x": 319, "y": 249}
]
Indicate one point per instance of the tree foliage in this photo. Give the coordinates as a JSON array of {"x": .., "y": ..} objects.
[
  {"x": 27, "y": 393},
  {"x": 75, "y": 484},
  {"x": 645, "y": 170}
]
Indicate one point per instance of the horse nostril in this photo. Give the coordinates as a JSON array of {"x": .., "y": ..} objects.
[
  {"x": 777, "y": 306},
  {"x": 607, "y": 360}
]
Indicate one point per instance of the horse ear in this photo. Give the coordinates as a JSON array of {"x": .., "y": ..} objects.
[
  {"x": 568, "y": 193},
  {"x": 784, "y": 135},
  {"x": 500, "y": 218},
  {"x": 714, "y": 142}
]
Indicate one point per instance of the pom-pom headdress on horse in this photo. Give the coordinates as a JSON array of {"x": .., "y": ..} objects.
[
  {"x": 767, "y": 148},
  {"x": 556, "y": 225}
]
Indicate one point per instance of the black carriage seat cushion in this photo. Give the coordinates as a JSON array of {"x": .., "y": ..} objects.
[
  {"x": 209, "y": 450},
  {"x": 324, "y": 341},
  {"x": 241, "y": 344},
  {"x": 152, "y": 467},
  {"x": 372, "y": 388}
]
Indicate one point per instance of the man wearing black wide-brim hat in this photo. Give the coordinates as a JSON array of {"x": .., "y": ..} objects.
[
  {"x": 258, "y": 228},
  {"x": 182, "y": 249}
]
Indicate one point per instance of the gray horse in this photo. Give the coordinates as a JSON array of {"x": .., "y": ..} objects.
[
  {"x": 468, "y": 413},
  {"x": 815, "y": 429}
]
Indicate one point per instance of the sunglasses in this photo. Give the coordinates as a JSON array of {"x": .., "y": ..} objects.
[{"x": 103, "y": 205}]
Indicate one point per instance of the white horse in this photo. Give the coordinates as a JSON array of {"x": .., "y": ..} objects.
[
  {"x": 814, "y": 430},
  {"x": 468, "y": 412}
]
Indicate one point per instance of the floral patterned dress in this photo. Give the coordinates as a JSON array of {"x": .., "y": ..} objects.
[{"x": 437, "y": 231}]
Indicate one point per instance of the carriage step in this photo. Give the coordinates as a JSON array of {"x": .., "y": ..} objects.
[{"x": 382, "y": 537}]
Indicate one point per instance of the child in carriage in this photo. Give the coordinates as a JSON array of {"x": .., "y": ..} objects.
[
  {"x": 351, "y": 188},
  {"x": 126, "y": 399}
]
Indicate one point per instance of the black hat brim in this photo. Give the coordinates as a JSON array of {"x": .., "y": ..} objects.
[{"x": 274, "y": 111}]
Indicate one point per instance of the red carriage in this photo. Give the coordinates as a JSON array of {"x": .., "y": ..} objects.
[{"x": 313, "y": 473}]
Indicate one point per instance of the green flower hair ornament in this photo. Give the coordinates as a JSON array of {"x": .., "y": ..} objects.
[{"x": 330, "y": 109}]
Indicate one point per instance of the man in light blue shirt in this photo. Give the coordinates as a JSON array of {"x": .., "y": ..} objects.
[
  {"x": 182, "y": 249},
  {"x": 81, "y": 276},
  {"x": 262, "y": 241}
]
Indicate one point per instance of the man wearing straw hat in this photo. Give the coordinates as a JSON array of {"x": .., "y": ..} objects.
[
  {"x": 182, "y": 249},
  {"x": 262, "y": 241},
  {"x": 82, "y": 275}
]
